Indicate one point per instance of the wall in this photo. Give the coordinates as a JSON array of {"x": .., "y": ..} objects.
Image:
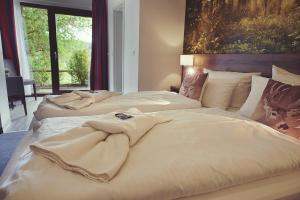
[
  {"x": 4, "y": 109},
  {"x": 118, "y": 49},
  {"x": 112, "y": 5},
  {"x": 161, "y": 42},
  {"x": 131, "y": 45}
]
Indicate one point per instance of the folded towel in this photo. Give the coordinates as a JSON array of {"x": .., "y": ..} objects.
[
  {"x": 79, "y": 104},
  {"x": 79, "y": 99},
  {"x": 64, "y": 98},
  {"x": 99, "y": 148}
]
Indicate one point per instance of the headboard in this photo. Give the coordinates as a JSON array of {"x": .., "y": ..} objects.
[{"x": 248, "y": 62}]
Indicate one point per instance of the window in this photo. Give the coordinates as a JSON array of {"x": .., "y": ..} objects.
[{"x": 59, "y": 47}]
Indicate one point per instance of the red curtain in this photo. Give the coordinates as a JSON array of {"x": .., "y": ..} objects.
[
  {"x": 99, "y": 65},
  {"x": 8, "y": 33}
]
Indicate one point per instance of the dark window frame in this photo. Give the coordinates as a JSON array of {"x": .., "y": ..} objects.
[{"x": 61, "y": 10}]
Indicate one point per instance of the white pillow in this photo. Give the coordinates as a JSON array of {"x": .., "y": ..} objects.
[
  {"x": 242, "y": 83},
  {"x": 251, "y": 109},
  {"x": 217, "y": 94},
  {"x": 284, "y": 76}
]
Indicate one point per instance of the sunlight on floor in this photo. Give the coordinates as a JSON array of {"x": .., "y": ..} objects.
[{"x": 19, "y": 120}]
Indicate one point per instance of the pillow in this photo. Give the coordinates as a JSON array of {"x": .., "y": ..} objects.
[
  {"x": 251, "y": 109},
  {"x": 192, "y": 85},
  {"x": 242, "y": 83},
  {"x": 281, "y": 106},
  {"x": 217, "y": 94},
  {"x": 284, "y": 76}
]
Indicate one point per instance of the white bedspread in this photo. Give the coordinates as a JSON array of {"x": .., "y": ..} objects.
[
  {"x": 144, "y": 101},
  {"x": 194, "y": 154}
]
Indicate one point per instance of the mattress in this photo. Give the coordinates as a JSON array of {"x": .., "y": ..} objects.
[{"x": 282, "y": 185}]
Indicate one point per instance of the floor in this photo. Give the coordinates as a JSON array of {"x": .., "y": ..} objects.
[{"x": 19, "y": 120}]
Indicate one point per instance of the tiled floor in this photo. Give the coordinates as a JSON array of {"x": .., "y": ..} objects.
[{"x": 19, "y": 120}]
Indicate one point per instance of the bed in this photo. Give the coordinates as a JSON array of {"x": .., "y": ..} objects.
[
  {"x": 145, "y": 101},
  {"x": 213, "y": 158},
  {"x": 201, "y": 154},
  {"x": 162, "y": 100}
]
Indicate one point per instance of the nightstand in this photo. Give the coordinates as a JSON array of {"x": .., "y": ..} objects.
[{"x": 175, "y": 89}]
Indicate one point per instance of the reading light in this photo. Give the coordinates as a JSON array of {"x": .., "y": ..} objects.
[
  {"x": 191, "y": 71},
  {"x": 187, "y": 60}
]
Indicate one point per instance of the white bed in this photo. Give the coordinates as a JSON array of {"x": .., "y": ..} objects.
[
  {"x": 201, "y": 154},
  {"x": 149, "y": 101}
]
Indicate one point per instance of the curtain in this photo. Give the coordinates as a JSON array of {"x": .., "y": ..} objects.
[
  {"x": 99, "y": 63},
  {"x": 8, "y": 33},
  {"x": 25, "y": 68}
]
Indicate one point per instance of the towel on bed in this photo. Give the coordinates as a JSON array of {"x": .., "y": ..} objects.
[
  {"x": 78, "y": 99},
  {"x": 98, "y": 149}
]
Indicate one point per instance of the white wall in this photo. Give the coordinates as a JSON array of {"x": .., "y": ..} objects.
[
  {"x": 4, "y": 109},
  {"x": 112, "y": 5},
  {"x": 118, "y": 49},
  {"x": 131, "y": 45},
  {"x": 161, "y": 43}
]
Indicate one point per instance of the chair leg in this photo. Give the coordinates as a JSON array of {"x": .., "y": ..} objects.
[
  {"x": 34, "y": 90},
  {"x": 24, "y": 104},
  {"x": 11, "y": 103}
]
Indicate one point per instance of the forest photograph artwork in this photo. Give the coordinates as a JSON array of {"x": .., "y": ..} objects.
[{"x": 242, "y": 26}]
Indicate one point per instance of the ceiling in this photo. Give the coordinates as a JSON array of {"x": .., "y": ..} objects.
[{"x": 79, "y": 4}]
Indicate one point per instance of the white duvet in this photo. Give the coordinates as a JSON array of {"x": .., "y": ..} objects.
[
  {"x": 194, "y": 154},
  {"x": 144, "y": 101}
]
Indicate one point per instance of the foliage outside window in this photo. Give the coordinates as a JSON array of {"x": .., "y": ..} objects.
[{"x": 79, "y": 67}]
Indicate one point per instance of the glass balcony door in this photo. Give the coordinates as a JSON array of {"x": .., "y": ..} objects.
[
  {"x": 58, "y": 46},
  {"x": 74, "y": 40},
  {"x": 38, "y": 47}
]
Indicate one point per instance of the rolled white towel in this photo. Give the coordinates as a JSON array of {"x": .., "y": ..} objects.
[{"x": 99, "y": 148}]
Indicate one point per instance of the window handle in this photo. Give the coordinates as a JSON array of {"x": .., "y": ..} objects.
[{"x": 55, "y": 55}]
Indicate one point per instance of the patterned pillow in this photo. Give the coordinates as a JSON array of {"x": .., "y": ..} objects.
[
  {"x": 281, "y": 106},
  {"x": 192, "y": 85}
]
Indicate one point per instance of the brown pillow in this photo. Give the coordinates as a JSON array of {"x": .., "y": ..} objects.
[
  {"x": 192, "y": 85},
  {"x": 281, "y": 105}
]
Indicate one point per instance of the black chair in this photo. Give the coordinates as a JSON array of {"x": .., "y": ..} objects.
[
  {"x": 10, "y": 71},
  {"x": 15, "y": 91}
]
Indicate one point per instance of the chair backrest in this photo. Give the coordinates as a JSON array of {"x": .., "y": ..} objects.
[
  {"x": 15, "y": 86},
  {"x": 9, "y": 65}
]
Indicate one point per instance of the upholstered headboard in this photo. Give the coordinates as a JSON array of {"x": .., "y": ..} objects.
[{"x": 248, "y": 62}]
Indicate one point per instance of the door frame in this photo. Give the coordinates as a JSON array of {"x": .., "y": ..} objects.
[
  {"x": 52, "y": 11},
  {"x": 118, "y": 48}
]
